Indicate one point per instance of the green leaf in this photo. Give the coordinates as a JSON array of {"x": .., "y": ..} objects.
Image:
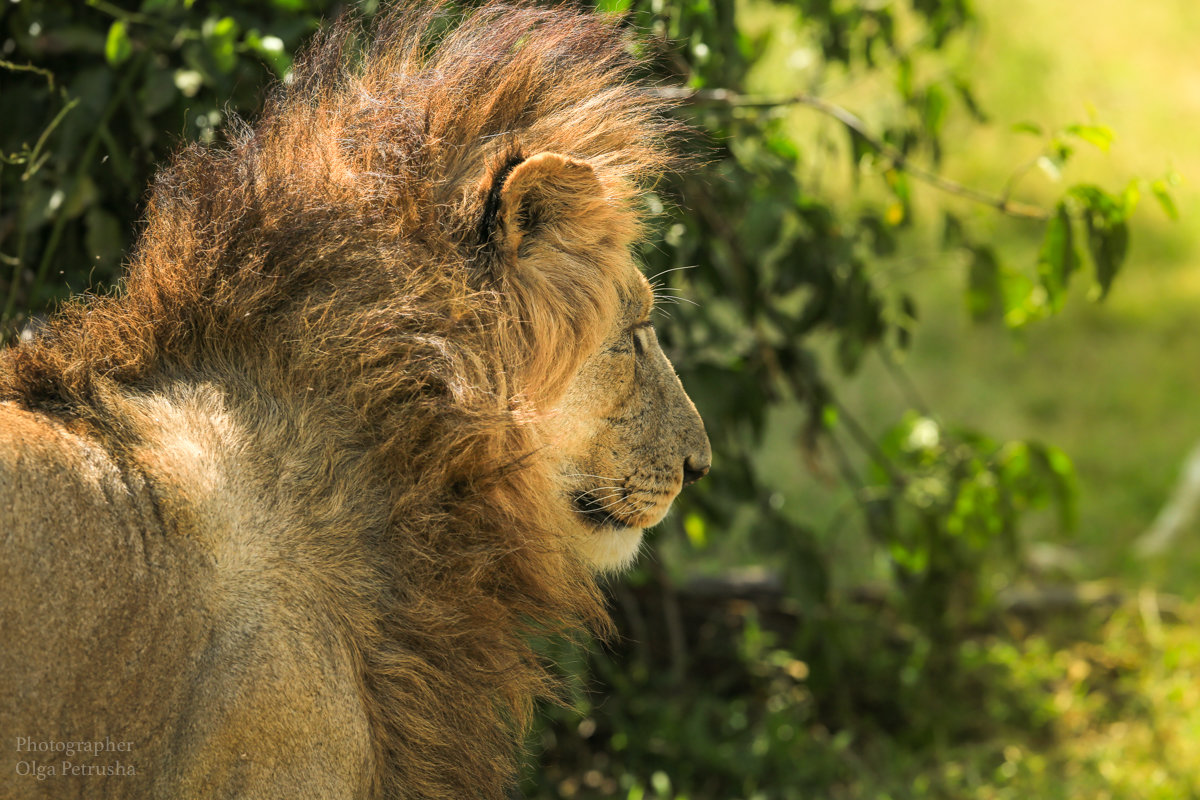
[
  {"x": 1163, "y": 195},
  {"x": 81, "y": 198},
  {"x": 693, "y": 526},
  {"x": 1029, "y": 127},
  {"x": 157, "y": 92},
  {"x": 1099, "y": 136},
  {"x": 904, "y": 321},
  {"x": 1109, "y": 245},
  {"x": 969, "y": 100},
  {"x": 1108, "y": 232},
  {"x": 1021, "y": 302},
  {"x": 904, "y": 78},
  {"x": 104, "y": 239},
  {"x": 829, "y": 416},
  {"x": 781, "y": 145},
  {"x": 271, "y": 49},
  {"x": 220, "y": 36},
  {"x": 936, "y": 105},
  {"x": 1060, "y": 152},
  {"x": 1058, "y": 257},
  {"x": 953, "y": 231},
  {"x": 1130, "y": 197},
  {"x": 913, "y": 561},
  {"x": 1063, "y": 484},
  {"x": 613, "y": 6},
  {"x": 117, "y": 48},
  {"x": 900, "y": 211},
  {"x": 985, "y": 295}
]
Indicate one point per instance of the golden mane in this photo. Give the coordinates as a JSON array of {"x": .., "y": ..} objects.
[{"x": 335, "y": 257}]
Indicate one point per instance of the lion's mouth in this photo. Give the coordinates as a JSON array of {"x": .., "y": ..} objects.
[{"x": 597, "y": 512}]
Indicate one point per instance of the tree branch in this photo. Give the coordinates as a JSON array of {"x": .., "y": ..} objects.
[{"x": 856, "y": 124}]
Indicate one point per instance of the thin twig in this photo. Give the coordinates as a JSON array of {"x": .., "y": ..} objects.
[
  {"x": 45, "y": 73},
  {"x": 905, "y": 383},
  {"x": 33, "y": 164},
  {"x": 855, "y": 123},
  {"x": 867, "y": 442},
  {"x": 85, "y": 161},
  {"x": 851, "y": 478},
  {"x": 117, "y": 12},
  {"x": 1020, "y": 172},
  {"x": 634, "y": 616},
  {"x": 673, "y": 618}
]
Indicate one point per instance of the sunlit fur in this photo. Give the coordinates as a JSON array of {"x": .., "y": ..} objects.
[{"x": 282, "y": 509}]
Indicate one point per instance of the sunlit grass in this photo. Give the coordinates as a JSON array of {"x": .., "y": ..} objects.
[{"x": 1124, "y": 722}]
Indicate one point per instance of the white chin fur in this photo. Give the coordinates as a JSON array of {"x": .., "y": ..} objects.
[{"x": 610, "y": 549}]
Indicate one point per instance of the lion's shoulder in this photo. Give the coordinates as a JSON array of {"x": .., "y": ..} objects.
[
  {"x": 48, "y": 474},
  {"x": 63, "y": 498},
  {"x": 183, "y": 656}
]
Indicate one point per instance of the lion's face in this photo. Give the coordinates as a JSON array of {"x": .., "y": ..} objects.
[
  {"x": 629, "y": 437},
  {"x": 621, "y": 435}
]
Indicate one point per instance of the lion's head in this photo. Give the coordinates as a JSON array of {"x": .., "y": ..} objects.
[{"x": 621, "y": 435}]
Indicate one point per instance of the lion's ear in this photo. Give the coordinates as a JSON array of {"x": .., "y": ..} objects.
[{"x": 550, "y": 195}]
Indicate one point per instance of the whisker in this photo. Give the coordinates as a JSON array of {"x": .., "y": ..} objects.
[
  {"x": 602, "y": 498},
  {"x": 672, "y": 269},
  {"x": 615, "y": 491},
  {"x": 593, "y": 509},
  {"x": 673, "y": 298},
  {"x": 613, "y": 503}
]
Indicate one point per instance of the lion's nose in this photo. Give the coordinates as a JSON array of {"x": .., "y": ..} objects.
[{"x": 694, "y": 469}]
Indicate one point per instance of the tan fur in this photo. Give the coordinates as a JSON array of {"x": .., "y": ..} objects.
[{"x": 371, "y": 407}]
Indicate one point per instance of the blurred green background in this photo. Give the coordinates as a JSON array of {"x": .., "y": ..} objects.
[{"x": 941, "y": 321}]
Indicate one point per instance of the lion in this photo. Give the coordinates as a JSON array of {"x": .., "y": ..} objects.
[{"x": 376, "y": 403}]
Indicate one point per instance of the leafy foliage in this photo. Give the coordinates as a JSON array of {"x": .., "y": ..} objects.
[{"x": 97, "y": 94}]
